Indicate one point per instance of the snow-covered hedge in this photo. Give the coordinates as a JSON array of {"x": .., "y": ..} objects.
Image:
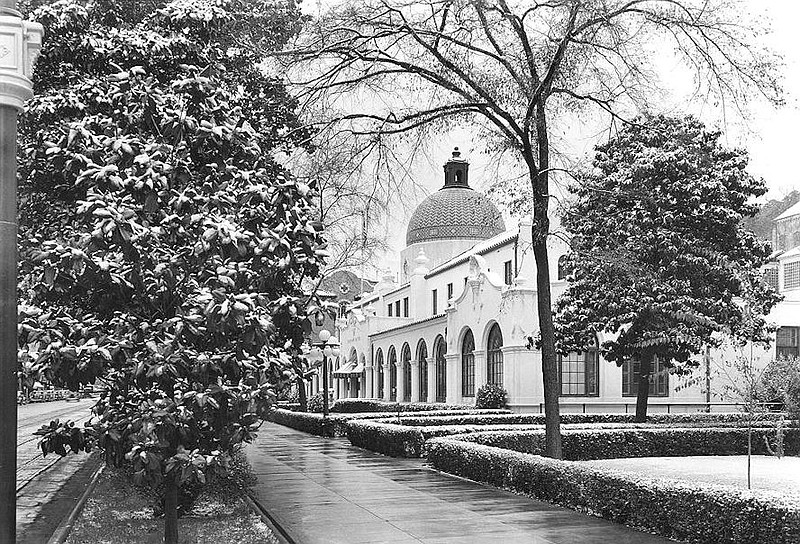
[
  {"x": 697, "y": 419},
  {"x": 588, "y": 444},
  {"x": 349, "y": 406},
  {"x": 394, "y": 440},
  {"x": 708, "y": 514},
  {"x": 311, "y": 422}
]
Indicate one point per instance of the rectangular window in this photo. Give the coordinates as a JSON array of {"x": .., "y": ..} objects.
[
  {"x": 405, "y": 307},
  {"x": 397, "y": 308},
  {"x": 465, "y": 280},
  {"x": 771, "y": 276},
  {"x": 434, "y": 301},
  {"x": 787, "y": 342},
  {"x": 449, "y": 291},
  {"x": 390, "y": 309},
  {"x": 579, "y": 373},
  {"x": 791, "y": 275},
  {"x": 659, "y": 379},
  {"x": 507, "y": 272}
]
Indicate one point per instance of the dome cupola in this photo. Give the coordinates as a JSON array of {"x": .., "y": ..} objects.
[{"x": 455, "y": 211}]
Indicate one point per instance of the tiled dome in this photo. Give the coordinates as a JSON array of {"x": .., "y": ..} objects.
[{"x": 454, "y": 212}]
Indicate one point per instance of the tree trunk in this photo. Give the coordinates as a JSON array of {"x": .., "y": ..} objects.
[
  {"x": 171, "y": 510},
  {"x": 301, "y": 393},
  {"x": 544, "y": 304},
  {"x": 643, "y": 392},
  {"x": 552, "y": 416}
]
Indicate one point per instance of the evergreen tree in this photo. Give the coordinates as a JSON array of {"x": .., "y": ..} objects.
[
  {"x": 163, "y": 249},
  {"x": 660, "y": 261}
]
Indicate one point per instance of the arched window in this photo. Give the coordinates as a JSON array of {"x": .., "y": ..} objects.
[
  {"x": 379, "y": 365},
  {"x": 392, "y": 362},
  {"x": 362, "y": 383},
  {"x": 405, "y": 358},
  {"x": 422, "y": 362},
  {"x": 563, "y": 267},
  {"x": 468, "y": 365},
  {"x": 439, "y": 351},
  {"x": 494, "y": 356},
  {"x": 579, "y": 373}
]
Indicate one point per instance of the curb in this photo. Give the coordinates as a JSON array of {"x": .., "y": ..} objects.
[
  {"x": 277, "y": 530},
  {"x": 62, "y": 531}
]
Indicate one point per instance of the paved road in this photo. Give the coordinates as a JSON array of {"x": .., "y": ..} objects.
[
  {"x": 326, "y": 491},
  {"x": 43, "y": 483}
]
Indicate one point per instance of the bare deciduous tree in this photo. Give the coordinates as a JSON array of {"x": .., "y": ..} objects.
[{"x": 513, "y": 68}]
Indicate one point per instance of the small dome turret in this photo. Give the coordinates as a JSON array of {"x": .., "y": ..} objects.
[{"x": 455, "y": 211}]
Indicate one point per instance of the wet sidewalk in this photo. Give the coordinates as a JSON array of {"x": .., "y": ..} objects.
[{"x": 327, "y": 491}]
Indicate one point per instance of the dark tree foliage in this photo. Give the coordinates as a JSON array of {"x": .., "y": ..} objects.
[
  {"x": 162, "y": 248},
  {"x": 661, "y": 261}
]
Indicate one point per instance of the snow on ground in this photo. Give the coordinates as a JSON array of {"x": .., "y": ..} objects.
[{"x": 768, "y": 473}]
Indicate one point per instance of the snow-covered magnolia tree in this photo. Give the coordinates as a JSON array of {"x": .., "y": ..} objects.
[
  {"x": 659, "y": 252},
  {"x": 162, "y": 247}
]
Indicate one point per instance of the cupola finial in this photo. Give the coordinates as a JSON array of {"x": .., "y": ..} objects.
[{"x": 456, "y": 171}]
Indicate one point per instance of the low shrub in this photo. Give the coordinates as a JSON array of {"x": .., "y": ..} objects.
[
  {"x": 311, "y": 423},
  {"x": 393, "y": 440},
  {"x": 314, "y": 404},
  {"x": 293, "y": 406},
  {"x": 708, "y": 514},
  {"x": 349, "y": 406},
  {"x": 491, "y": 396},
  {"x": 589, "y": 444},
  {"x": 477, "y": 418}
]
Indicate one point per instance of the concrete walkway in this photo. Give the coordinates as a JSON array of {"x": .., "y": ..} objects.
[{"x": 327, "y": 491}]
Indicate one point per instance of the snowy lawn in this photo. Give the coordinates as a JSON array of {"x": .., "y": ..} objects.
[{"x": 768, "y": 473}]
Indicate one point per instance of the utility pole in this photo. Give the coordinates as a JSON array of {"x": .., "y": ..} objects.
[{"x": 20, "y": 42}]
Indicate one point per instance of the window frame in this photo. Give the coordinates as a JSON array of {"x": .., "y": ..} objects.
[
  {"x": 630, "y": 385},
  {"x": 494, "y": 356},
  {"x": 405, "y": 364},
  {"x": 379, "y": 364},
  {"x": 439, "y": 352},
  {"x": 590, "y": 360},
  {"x": 434, "y": 301},
  {"x": 508, "y": 272},
  {"x": 392, "y": 361},
  {"x": 787, "y": 349},
  {"x": 791, "y": 271},
  {"x": 405, "y": 307},
  {"x": 468, "y": 365}
]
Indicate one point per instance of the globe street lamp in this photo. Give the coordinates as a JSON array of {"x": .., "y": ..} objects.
[
  {"x": 20, "y": 42},
  {"x": 327, "y": 347}
]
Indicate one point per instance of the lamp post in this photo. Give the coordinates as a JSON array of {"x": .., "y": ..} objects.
[
  {"x": 20, "y": 42},
  {"x": 327, "y": 347}
]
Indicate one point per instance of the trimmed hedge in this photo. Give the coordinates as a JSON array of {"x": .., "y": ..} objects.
[
  {"x": 311, "y": 423},
  {"x": 350, "y": 406},
  {"x": 697, "y": 419},
  {"x": 609, "y": 441},
  {"x": 337, "y": 424},
  {"x": 589, "y": 444},
  {"x": 709, "y": 514},
  {"x": 394, "y": 440}
]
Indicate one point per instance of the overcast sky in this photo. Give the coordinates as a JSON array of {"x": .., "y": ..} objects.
[{"x": 771, "y": 137}]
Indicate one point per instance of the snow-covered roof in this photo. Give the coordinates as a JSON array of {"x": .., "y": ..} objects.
[
  {"x": 794, "y": 252},
  {"x": 794, "y": 210},
  {"x": 478, "y": 249}
]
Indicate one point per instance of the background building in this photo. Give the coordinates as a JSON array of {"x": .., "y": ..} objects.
[{"x": 464, "y": 310}]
